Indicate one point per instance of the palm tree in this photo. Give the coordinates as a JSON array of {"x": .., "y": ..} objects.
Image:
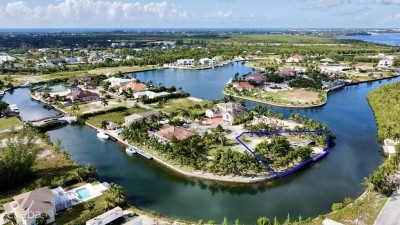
[
  {"x": 10, "y": 217},
  {"x": 91, "y": 171},
  {"x": 42, "y": 219},
  {"x": 118, "y": 193},
  {"x": 263, "y": 221},
  {"x": 103, "y": 124},
  {"x": 75, "y": 109},
  {"x": 104, "y": 102},
  {"x": 89, "y": 205}
]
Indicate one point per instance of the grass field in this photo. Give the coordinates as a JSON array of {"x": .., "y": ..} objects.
[
  {"x": 175, "y": 105},
  {"x": 6, "y": 123},
  {"x": 21, "y": 79},
  {"x": 96, "y": 106},
  {"x": 116, "y": 117}
]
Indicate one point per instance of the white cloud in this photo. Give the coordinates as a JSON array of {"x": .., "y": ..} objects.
[
  {"x": 388, "y": 2},
  {"x": 330, "y": 3},
  {"x": 93, "y": 10},
  {"x": 220, "y": 14}
]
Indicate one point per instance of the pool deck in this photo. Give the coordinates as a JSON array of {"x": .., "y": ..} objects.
[{"x": 95, "y": 191}]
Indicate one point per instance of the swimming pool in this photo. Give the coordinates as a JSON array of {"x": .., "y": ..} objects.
[{"x": 83, "y": 193}]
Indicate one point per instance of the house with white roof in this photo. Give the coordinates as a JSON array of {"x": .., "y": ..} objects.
[
  {"x": 186, "y": 62},
  {"x": 384, "y": 63},
  {"x": 206, "y": 61}
]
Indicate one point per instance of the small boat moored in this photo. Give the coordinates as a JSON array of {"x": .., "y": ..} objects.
[
  {"x": 2, "y": 93},
  {"x": 102, "y": 135},
  {"x": 131, "y": 150}
]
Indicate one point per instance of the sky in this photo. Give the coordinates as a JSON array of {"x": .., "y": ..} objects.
[{"x": 199, "y": 13}]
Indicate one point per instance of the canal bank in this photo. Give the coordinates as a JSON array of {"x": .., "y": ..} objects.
[{"x": 152, "y": 187}]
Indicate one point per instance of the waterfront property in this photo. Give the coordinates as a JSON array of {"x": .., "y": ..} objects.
[
  {"x": 138, "y": 116},
  {"x": 76, "y": 94},
  {"x": 132, "y": 86},
  {"x": 28, "y": 206},
  {"x": 168, "y": 132},
  {"x": 106, "y": 217},
  {"x": 228, "y": 111}
]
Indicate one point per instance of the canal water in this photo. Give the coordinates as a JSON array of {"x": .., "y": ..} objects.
[{"x": 309, "y": 192}]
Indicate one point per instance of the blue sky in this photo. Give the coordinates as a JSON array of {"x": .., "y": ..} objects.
[{"x": 199, "y": 13}]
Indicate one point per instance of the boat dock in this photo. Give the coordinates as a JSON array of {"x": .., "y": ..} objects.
[{"x": 115, "y": 137}]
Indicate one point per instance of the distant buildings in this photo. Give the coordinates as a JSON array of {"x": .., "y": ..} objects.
[
  {"x": 206, "y": 61},
  {"x": 296, "y": 59},
  {"x": 4, "y": 57},
  {"x": 186, "y": 62},
  {"x": 365, "y": 69}
]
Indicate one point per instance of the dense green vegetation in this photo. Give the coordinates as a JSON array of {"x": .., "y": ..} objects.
[{"x": 385, "y": 102}]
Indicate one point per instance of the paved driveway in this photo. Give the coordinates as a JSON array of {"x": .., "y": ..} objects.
[{"x": 390, "y": 213}]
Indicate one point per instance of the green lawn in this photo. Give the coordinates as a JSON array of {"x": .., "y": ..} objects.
[
  {"x": 175, "y": 105},
  {"x": 96, "y": 106},
  {"x": 116, "y": 117},
  {"x": 10, "y": 122}
]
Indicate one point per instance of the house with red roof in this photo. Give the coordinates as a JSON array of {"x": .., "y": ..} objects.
[
  {"x": 296, "y": 59},
  {"x": 259, "y": 78},
  {"x": 243, "y": 86}
]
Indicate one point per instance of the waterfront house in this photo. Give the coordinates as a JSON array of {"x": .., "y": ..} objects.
[
  {"x": 259, "y": 78},
  {"x": 240, "y": 86},
  {"x": 206, "y": 62},
  {"x": 132, "y": 86},
  {"x": 106, "y": 217},
  {"x": 296, "y": 59},
  {"x": 76, "y": 94},
  {"x": 213, "y": 113},
  {"x": 116, "y": 82},
  {"x": 288, "y": 72},
  {"x": 186, "y": 62},
  {"x": 149, "y": 94},
  {"x": 168, "y": 132},
  {"x": 228, "y": 111},
  {"x": 385, "y": 63},
  {"x": 365, "y": 69},
  {"x": 84, "y": 80},
  {"x": 138, "y": 116},
  {"x": 28, "y": 206}
]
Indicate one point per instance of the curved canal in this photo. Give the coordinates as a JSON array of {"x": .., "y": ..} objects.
[{"x": 309, "y": 192}]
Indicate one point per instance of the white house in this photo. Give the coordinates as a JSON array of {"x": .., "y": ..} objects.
[
  {"x": 206, "y": 61},
  {"x": 149, "y": 94},
  {"x": 229, "y": 111},
  {"x": 30, "y": 205},
  {"x": 386, "y": 63},
  {"x": 106, "y": 217},
  {"x": 117, "y": 82},
  {"x": 4, "y": 57},
  {"x": 213, "y": 113},
  {"x": 186, "y": 62}
]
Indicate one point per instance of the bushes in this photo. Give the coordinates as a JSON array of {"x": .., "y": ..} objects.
[{"x": 166, "y": 97}]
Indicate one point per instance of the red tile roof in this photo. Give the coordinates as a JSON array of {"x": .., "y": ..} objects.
[
  {"x": 168, "y": 131},
  {"x": 256, "y": 77},
  {"x": 243, "y": 85}
]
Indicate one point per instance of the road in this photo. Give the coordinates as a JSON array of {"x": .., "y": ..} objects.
[{"x": 389, "y": 214}]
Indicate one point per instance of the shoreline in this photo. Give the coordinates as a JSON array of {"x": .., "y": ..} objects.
[
  {"x": 277, "y": 105},
  {"x": 199, "y": 174}
]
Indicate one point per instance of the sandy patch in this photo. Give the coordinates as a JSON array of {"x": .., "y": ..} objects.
[{"x": 300, "y": 95}]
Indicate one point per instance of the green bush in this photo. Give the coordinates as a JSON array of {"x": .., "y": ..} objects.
[{"x": 337, "y": 206}]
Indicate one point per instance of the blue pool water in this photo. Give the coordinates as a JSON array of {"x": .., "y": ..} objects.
[{"x": 83, "y": 193}]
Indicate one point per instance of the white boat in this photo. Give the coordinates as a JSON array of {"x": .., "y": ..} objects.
[
  {"x": 131, "y": 150},
  {"x": 2, "y": 93},
  {"x": 27, "y": 84},
  {"x": 230, "y": 81},
  {"x": 102, "y": 135},
  {"x": 14, "y": 108}
]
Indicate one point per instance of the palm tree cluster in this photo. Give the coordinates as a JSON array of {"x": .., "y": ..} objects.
[
  {"x": 383, "y": 179},
  {"x": 88, "y": 172},
  {"x": 114, "y": 196},
  {"x": 309, "y": 124}
]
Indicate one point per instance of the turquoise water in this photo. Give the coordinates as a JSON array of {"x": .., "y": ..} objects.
[
  {"x": 309, "y": 192},
  {"x": 386, "y": 39},
  {"x": 83, "y": 193}
]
